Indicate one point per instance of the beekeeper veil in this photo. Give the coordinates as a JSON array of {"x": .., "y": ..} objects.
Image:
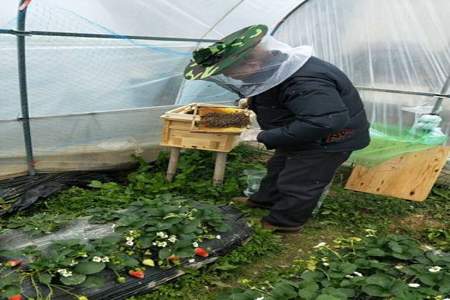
[{"x": 247, "y": 62}]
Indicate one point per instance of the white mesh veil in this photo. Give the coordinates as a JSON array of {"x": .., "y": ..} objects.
[{"x": 270, "y": 63}]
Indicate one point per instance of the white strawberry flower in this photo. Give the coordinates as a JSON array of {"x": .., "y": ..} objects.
[
  {"x": 326, "y": 264},
  {"x": 398, "y": 267},
  {"x": 195, "y": 244},
  {"x": 130, "y": 243},
  {"x": 218, "y": 237},
  {"x": 370, "y": 232},
  {"x": 105, "y": 259},
  {"x": 435, "y": 269},
  {"x": 172, "y": 239},
  {"x": 414, "y": 285},
  {"x": 162, "y": 235},
  {"x": 320, "y": 245},
  {"x": 64, "y": 272},
  {"x": 191, "y": 261},
  {"x": 97, "y": 259},
  {"x": 161, "y": 244},
  {"x": 67, "y": 274}
]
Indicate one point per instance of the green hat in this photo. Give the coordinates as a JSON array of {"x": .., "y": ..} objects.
[{"x": 231, "y": 49}]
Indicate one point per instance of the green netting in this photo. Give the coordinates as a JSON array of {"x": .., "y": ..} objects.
[{"x": 388, "y": 142}]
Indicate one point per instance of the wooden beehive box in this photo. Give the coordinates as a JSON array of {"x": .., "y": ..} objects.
[{"x": 179, "y": 131}]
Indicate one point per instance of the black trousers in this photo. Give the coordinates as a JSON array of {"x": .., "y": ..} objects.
[{"x": 294, "y": 184}]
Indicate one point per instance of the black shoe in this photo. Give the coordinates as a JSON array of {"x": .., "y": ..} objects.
[
  {"x": 276, "y": 228},
  {"x": 247, "y": 202}
]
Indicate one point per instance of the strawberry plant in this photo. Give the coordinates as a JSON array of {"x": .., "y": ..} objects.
[
  {"x": 376, "y": 267},
  {"x": 149, "y": 233}
]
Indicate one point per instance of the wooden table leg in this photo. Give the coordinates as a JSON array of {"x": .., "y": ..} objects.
[
  {"x": 219, "y": 169},
  {"x": 173, "y": 161}
]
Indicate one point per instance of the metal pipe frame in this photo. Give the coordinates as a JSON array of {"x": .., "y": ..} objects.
[
  {"x": 22, "y": 32},
  {"x": 25, "y": 119}
]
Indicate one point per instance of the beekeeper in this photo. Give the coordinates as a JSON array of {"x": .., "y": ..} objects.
[{"x": 307, "y": 109}]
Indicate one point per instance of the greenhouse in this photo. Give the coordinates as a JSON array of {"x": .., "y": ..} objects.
[{"x": 110, "y": 188}]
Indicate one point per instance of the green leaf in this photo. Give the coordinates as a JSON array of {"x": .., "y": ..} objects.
[
  {"x": 75, "y": 279},
  {"x": 379, "y": 280},
  {"x": 376, "y": 252},
  {"x": 375, "y": 291},
  {"x": 225, "y": 267},
  {"x": 130, "y": 261},
  {"x": 94, "y": 282},
  {"x": 311, "y": 275},
  {"x": 190, "y": 228},
  {"x": 11, "y": 290},
  {"x": 338, "y": 293},
  {"x": 402, "y": 256},
  {"x": 44, "y": 278},
  {"x": 349, "y": 293},
  {"x": 185, "y": 242},
  {"x": 111, "y": 239},
  {"x": 95, "y": 184},
  {"x": 348, "y": 268},
  {"x": 89, "y": 267},
  {"x": 185, "y": 252},
  {"x": 428, "y": 279},
  {"x": 284, "y": 291},
  {"x": 146, "y": 242},
  {"x": 238, "y": 294},
  {"x": 395, "y": 246},
  {"x": 308, "y": 290},
  {"x": 444, "y": 287},
  {"x": 164, "y": 253},
  {"x": 327, "y": 297}
]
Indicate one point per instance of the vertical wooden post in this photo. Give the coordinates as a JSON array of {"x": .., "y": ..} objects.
[
  {"x": 173, "y": 161},
  {"x": 219, "y": 169}
]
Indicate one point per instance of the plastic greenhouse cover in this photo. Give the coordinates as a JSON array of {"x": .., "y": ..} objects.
[
  {"x": 164, "y": 18},
  {"x": 399, "y": 45},
  {"x": 75, "y": 75},
  {"x": 403, "y": 44}
]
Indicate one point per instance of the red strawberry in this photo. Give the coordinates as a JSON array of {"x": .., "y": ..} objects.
[
  {"x": 201, "y": 252},
  {"x": 15, "y": 297},
  {"x": 13, "y": 262},
  {"x": 136, "y": 274}
]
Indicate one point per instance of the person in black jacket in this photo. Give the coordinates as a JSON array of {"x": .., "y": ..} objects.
[{"x": 308, "y": 111}]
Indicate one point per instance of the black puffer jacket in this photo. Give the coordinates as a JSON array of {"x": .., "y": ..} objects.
[{"x": 317, "y": 108}]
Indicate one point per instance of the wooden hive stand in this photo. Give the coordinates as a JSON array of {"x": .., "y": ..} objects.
[{"x": 180, "y": 131}]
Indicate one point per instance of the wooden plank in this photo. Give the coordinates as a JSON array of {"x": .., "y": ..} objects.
[
  {"x": 410, "y": 176},
  {"x": 166, "y": 131},
  {"x": 226, "y": 130},
  {"x": 180, "y": 125}
]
